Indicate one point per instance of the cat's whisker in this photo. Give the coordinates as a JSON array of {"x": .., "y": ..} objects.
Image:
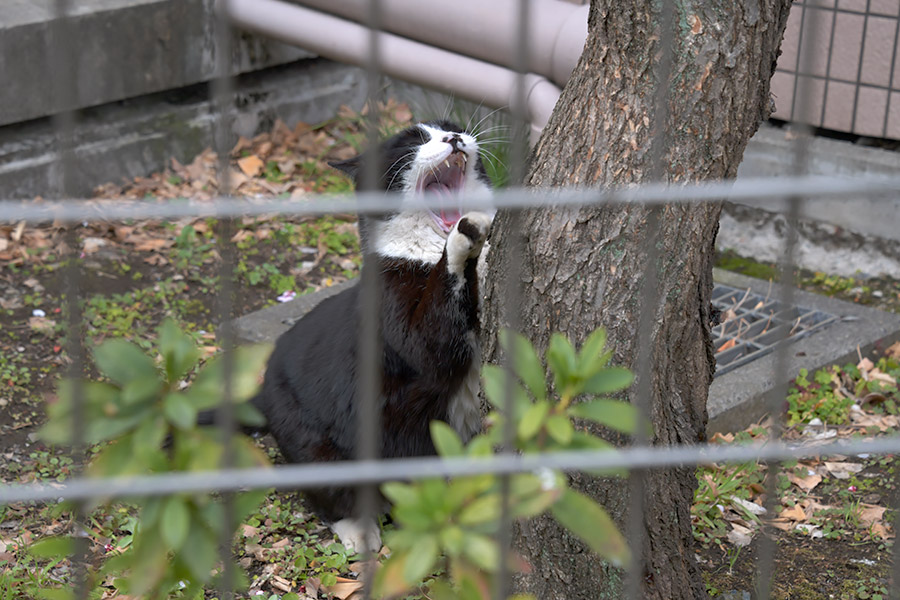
[{"x": 483, "y": 119}]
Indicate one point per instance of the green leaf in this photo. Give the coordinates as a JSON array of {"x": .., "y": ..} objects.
[
  {"x": 588, "y": 521},
  {"x": 591, "y": 356},
  {"x": 525, "y": 362},
  {"x": 561, "y": 359},
  {"x": 483, "y": 509},
  {"x": 179, "y": 411},
  {"x": 101, "y": 401},
  {"x": 414, "y": 516},
  {"x": 452, "y": 538},
  {"x": 178, "y": 350},
  {"x": 123, "y": 361},
  {"x": 533, "y": 420},
  {"x": 586, "y": 441},
  {"x": 497, "y": 384},
  {"x": 175, "y": 522},
  {"x": 117, "y": 458},
  {"x": 141, "y": 390},
  {"x": 532, "y": 506},
  {"x": 48, "y": 593},
  {"x": 609, "y": 380},
  {"x": 400, "y": 493},
  {"x": 247, "y": 414},
  {"x": 441, "y": 590},
  {"x": 199, "y": 552},
  {"x": 420, "y": 563},
  {"x": 560, "y": 429},
  {"x": 149, "y": 436},
  {"x": 389, "y": 579},
  {"x": 482, "y": 551},
  {"x": 479, "y": 446},
  {"x": 247, "y": 363},
  {"x": 52, "y": 547},
  {"x": 445, "y": 439},
  {"x": 614, "y": 414}
]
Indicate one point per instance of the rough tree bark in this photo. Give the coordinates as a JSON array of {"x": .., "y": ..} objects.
[{"x": 583, "y": 267}]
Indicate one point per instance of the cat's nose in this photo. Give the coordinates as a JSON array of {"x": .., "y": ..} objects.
[{"x": 455, "y": 142}]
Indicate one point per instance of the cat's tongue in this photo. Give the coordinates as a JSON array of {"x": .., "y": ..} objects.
[{"x": 449, "y": 213}]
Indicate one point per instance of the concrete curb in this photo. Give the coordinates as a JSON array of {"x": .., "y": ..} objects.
[
  {"x": 739, "y": 398},
  {"x": 267, "y": 324}
]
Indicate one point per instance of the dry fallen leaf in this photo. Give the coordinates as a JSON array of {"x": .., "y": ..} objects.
[
  {"x": 41, "y": 324},
  {"x": 151, "y": 244},
  {"x": 282, "y": 543},
  {"x": 727, "y": 345},
  {"x": 795, "y": 513},
  {"x": 251, "y": 165},
  {"x": 248, "y": 530},
  {"x": 344, "y": 588},
  {"x": 881, "y": 531},
  {"x": 782, "y": 523},
  {"x": 865, "y": 365},
  {"x": 870, "y": 514},
  {"x": 807, "y": 483},
  {"x": 740, "y": 536},
  {"x": 281, "y": 583},
  {"x": 842, "y": 470},
  {"x": 893, "y": 351}
]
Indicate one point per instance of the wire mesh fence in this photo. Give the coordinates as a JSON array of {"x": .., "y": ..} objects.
[{"x": 765, "y": 321}]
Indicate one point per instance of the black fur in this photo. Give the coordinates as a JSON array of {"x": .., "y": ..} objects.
[{"x": 309, "y": 396}]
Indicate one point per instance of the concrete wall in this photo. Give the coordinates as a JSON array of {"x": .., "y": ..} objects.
[
  {"x": 852, "y": 87},
  {"x": 122, "y": 49}
]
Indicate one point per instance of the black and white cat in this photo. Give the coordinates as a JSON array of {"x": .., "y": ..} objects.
[{"x": 429, "y": 324}]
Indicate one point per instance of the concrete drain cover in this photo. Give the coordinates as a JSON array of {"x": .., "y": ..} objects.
[{"x": 754, "y": 324}]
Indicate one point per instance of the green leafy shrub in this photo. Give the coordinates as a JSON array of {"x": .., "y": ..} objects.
[
  {"x": 145, "y": 420},
  {"x": 451, "y": 524}
]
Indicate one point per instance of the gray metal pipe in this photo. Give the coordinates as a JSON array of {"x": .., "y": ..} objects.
[
  {"x": 345, "y": 41},
  {"x": 485, "y": 29}
]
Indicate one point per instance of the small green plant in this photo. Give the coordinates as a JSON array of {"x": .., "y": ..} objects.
[
  {"x": 717, "y": 486},
  {"x": 865, "y": 589},
  {"x": 451, "y": 525},
  {"x": 191, "y": 248},
  {"x": 817, "y": 399},
  {"x": 145, "y": 421}
]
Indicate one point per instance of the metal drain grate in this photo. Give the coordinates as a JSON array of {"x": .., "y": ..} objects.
[{"x": 752, "y": 325}]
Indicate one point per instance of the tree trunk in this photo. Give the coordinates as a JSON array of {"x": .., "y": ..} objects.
[{"x": 583, "y": 267}]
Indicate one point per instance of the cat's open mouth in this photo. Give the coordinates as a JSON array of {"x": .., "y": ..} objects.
[{"x": 444, "y": 181}]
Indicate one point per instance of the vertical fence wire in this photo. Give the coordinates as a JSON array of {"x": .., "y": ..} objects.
[
  {"x": 63, "y": 67},
  {"x": 369, "y": 415},
  {"x": 803, "y": 9},
  {"x": 649, "y": 294},
  {"x": 827, "y": 82},
  {"x": 512, "y": 297},
  {"x": 859, "y": 67},
  {"x": 775, "y": 401},
  {"x": 222, "y": 92},
  {"x": 890, "y": 91},
  {"x": 894, "y": 496}
]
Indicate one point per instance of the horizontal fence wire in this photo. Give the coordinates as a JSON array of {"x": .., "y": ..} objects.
[
  {"x": 313, "y": 475},
  {"x": 811, "y": 187}
]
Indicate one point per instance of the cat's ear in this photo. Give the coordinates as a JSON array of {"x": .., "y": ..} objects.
[{"x": 349, "y": 166}]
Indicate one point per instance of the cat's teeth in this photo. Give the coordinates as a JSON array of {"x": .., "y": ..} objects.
[{"x": 447, "y": 163}]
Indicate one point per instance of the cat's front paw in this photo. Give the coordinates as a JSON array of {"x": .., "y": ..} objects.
[
  {"x": 467, "y": 237},
  {"x": 358, "y": 535}
]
